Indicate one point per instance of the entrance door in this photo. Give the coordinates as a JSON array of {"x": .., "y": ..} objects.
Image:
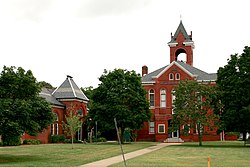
[{"x": 175, "y": 134}]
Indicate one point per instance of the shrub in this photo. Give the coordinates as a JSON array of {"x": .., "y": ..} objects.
[
  {"x": 11, "y": 140},
  {"x": 74, "y": 141},
  {"x": 100, "y": 139},
  {"x": 54, "y": 139},
  {"x": 61, "y": 138},
  {"x": 32, "y": 142}
]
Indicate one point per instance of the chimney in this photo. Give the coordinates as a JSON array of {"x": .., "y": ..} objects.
[{"x": 144, "y": 70}]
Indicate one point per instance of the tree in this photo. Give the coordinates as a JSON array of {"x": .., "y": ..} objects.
[
  {"x": 234, "y": 83},
  {"x": 21, "y": 107},
  {"x": 73, "y": 123},
  {"x": 44, "y": 84},
  {"x": 88, "y": 91},
  {"x": 192, "y": 107},
  {"x": 120, "y": 95}
]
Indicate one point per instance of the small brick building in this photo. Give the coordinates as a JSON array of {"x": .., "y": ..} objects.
[
  {"x": 160, "y": 86},
  {"x": 67, "y": 96}
]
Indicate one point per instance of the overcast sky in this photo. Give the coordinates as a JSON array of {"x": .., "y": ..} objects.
[{"x": 81, "y": 38}]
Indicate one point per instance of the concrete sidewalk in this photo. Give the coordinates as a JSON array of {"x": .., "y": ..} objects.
[{"x": 117, "y": 159}]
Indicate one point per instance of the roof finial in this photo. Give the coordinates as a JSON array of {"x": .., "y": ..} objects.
[{"x": 180, "y": 18}]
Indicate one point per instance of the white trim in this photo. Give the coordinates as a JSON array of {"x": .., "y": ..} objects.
[
  {"x": 169, "y": 76},
  {"x": 71, "y": 86},
  {"x": 164, "y": 128},
  {"x": 84, "y": 101},
  {"x": 149, "y": 127},
  {"x": 176, "y": 76},
  {"x": 169, "y": 66},
  {"x": 163, "y": 93},
  {"x": 173, "y": 44}
]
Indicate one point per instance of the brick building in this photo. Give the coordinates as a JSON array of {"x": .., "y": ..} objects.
[
  {"x": 160, "y": 85},
  {"x": 67, "y": 96}
]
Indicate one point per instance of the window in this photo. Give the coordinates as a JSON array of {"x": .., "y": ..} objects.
[
  {"x": 196, "y": 129},
  {"x": 152, "y": 98},
  {"x": 80, "y": 112},
  {"x": 151, "y": 127},
  {"x": 161, "y": 128},
  {"x": 186, "y": 129},
  {"x": 171, "y": 76},
  {"x": 177, "y": 76},
  {"x": 54, "y": 127},
  {"x": 163, "y": 98},
  {"x": 173, "y": 99}
]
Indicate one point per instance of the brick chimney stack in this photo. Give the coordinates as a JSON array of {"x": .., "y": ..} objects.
[{"x": 144, "y": 70}]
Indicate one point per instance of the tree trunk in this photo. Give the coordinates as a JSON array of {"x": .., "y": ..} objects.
[
  {"x": 72, "y": 141},
  {"x": 122, "y": 134},
  {"x": 199, "y": 134},
  {"x": 244, "y": 136}
]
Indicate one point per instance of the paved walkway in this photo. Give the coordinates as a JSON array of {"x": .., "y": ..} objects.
[{"x": 117, "y": 159}]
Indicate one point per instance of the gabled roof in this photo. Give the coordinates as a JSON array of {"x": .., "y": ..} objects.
[
  {"x": 192, "y": 71},
  {"x": 181, "y": 29},
  {"x": 69, "y": 90},
  {"x": 47, "y": 94}
]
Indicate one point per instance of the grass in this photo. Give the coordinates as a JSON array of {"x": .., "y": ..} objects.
[
  {"x": 222, "y": 154},
  {"x": 61, "y": 155}
]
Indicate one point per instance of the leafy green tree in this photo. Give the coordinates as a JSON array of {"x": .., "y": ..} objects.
[
  {"x": 120, "y": 95},
  {"x": 44, "y": 84},
  {"x": 73, "y": 123},
  {"x": 192, "y": 107},
  {"x": 21, "y": 107},
  {"x": 234, "y": 83},
  {"x": 88, "y": 91}
]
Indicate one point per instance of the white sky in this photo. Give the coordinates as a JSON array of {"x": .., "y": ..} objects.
[{"x": 81, "y": 38}]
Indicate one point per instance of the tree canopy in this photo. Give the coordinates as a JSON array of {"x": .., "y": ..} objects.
[
  {"x": 234, "y": 83},
  {"x": 192, "y": 107},
  {"x": 21, "y": 108},
  {"x": 120, "y": 95}
]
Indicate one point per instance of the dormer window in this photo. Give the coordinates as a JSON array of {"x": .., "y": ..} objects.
[
  {"x": 177, "y": 76},
  {"x": 171, "y": 76}
]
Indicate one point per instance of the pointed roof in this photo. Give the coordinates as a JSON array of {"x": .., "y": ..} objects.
[
  {"x": 69, "y": 90},
  {"x": 47, "y": 94},
  {"x": 181, "y": 29},
  {"x": 194, "y": 72}
]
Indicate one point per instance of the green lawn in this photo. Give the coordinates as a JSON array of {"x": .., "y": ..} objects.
[
  {"x": 61, "y": 155},
  {"x": 223, "y": 154}
]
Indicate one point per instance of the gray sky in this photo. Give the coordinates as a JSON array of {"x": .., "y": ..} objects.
[{"x": 81, "y": 38}]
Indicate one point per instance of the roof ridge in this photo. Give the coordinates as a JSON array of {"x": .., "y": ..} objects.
[{"x": 71, "y": 86}]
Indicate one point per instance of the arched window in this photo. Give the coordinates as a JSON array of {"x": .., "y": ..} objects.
[
  {"x": 79, "y": 112},
  {"x": 173, "y": 99},
  {"x": 171, "y": 76},
  {"x": 152, "y": 98},
  {"x": 163, "y": 98},
  {"x": 54, "y": 127},
  {"x": 177, "y": 76}
]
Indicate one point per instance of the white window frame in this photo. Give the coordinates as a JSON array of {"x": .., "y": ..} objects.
[
  {"x": 163, "y": 101},
  {"x": 164, "y": 128},
  {"x": 173, "y": 98},
  {"x": 151, "y": 127},
  {"x": 55, "y": 126},
  {"x": 183, "y": 126},
  {"x": 171, "y": 76},
  {"x": 179, "y": 76}
]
